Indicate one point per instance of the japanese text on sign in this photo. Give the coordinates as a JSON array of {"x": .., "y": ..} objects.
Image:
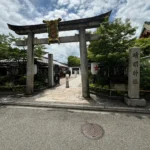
[{"x": 135, "y": 65}]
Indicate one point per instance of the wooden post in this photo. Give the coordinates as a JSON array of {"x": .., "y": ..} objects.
[
  {"x": 84, "y": 63},
  {"x": 30, "y": 64},
  {"x": 50, "y": 70}
]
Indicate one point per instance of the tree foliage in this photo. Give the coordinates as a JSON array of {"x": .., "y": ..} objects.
[
  {"x": 144, "y": 44},
  {"x": 73, "y": 61},
  {"x": 145, "y": 75},
  {"x": 111, "y": 47},
  {"x": 39, "y": 50},
  {"x": 9, "y": 51},
  {"x": 6, "y": 50}
]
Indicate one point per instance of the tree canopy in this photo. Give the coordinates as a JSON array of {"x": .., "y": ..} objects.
[
  {"x": 10, "y": 52},
  {"x": 113, "y": 43},
  {"x": 145, "y": 75},
  {"x": 144, "y": 44},
  {"x": 73, "y": 61}
]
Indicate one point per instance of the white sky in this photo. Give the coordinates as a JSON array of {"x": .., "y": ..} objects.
[{"x": 26, "y": 12}]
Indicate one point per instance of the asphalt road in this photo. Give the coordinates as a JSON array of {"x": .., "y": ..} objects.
[{"x": 55, "y": 129}]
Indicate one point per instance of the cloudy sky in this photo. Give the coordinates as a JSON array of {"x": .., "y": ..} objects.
[{"x": 26, "y": 12}]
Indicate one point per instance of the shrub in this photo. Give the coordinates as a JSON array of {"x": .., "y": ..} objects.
[
  {"x": 22, "y": 80},
  {"x": 145, "y": 76},
  {"x": 105, "y": 90},
  {"x": 4, "y": 79}
]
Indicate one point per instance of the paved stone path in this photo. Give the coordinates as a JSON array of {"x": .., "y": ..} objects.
[
  {"x": 57, "y": 94},
  {"x": 61, "y": 94},
  {"x": 73, "y": 82}
]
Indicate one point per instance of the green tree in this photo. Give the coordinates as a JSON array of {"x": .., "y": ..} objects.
[
  {"x": 39, "y": 50},
  {"x": 4, "y": 39},
  {"x": 144, "y": 44},
  {"x": 4, "y": 50},
  {"x": 10, "y": 52},
  {"x": 145, "y": 75},
  {"x": 114, "y": 40},
  {"x": 73, "y": 61}
]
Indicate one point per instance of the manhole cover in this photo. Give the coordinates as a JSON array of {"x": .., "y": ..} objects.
[{"x": 92, "y": 131}]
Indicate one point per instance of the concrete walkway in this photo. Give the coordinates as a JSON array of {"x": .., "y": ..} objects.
[
  {"x": 58, "y": 94},
  {"x": 73, "y": 83},
  {"x": 61, "y": 94}
]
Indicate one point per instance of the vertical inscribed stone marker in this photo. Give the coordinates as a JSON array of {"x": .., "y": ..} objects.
[
  {"x": 134, "y": 73},
  {"x": 133, "y": 98}
]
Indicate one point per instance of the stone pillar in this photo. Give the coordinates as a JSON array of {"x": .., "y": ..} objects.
[
  {"x": 75, "y": 73},
  {"x": 67, "y": 80},
  {"x": 70, "y": 71},
  {"x": 133, "y": 98},
  {"x": 79, "y": 71},
  {"x": 84, "y": 63},
  {"x": 30, "y": 64},
  {"x": 50, "y": 70}
]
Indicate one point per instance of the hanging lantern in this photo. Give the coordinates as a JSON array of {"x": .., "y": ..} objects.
[{"x": 94, "y": 68}]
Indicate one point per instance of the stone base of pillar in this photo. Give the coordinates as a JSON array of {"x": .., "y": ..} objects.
[{"x": 135, "y": 102}]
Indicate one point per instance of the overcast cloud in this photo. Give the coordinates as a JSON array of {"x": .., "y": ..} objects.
[{"x": 26, "y": 12}]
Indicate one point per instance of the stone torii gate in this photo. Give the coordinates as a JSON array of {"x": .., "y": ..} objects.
[{"x": 81, "y": 25}]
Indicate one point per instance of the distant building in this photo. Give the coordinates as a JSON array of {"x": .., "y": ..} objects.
[
  {"x": 75, "y": 68},
  {"x": 19, "y": 67}
]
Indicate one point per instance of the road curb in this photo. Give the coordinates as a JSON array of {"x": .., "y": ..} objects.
[{"x": 79, "y": 107}]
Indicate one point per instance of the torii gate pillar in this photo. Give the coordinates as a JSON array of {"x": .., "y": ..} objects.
[
  {"x": 84, "y": 63},
  {"x": 50, "y": 70},
  {"x": 30, "y": 64}
]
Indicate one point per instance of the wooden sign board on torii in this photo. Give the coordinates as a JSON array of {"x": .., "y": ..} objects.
[{"x": 82, "y": 37}]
